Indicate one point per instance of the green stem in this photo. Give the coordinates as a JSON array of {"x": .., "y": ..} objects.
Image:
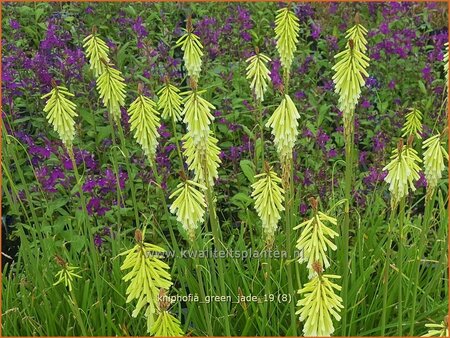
[
  {"x": 289, "y": 219},
  {"x": 130, "y": 173},
  {"x": 386, "y": 272},
  {"x": 202, "y": 291},
  {"x": 346, "y": 225},
  {"x": 217, "y": 235},
  {"x": 401, "y": 219}
]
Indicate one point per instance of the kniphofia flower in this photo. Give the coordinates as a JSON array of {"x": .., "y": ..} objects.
[
  {"x": 403, "y": 172},
  {"x": 192, "y": 47},
  {"x": 434, "y": 158},
  {"x": 170, "y": 102},
  {"x": 166, "y": 325},
  {"x": 284, "y": 126},
  {"x": 60, "y": 113},
  {"x": 413, "y": 124},
  {"x": 350, "y": 72},
  {"x": 197, "y": 115},
  {"x": 269, "y": 197},
  {"x": 286, "y": 33},
  {"x": 97, "y": 52},
  {"x": 144, "y": 121},
  {"x": 147, "y": 276},
  {"x": 189, "y": 205},
  {"x": 202, "y": 157},
  {"x": 437, "y": 330},
  {"x": 315, "y": 239},
  {"x": 319, "y": 305},
  {"x": 66, "y": 274},
  {"x": 258, "y": 74},
  {"x": 111, "y": 87}
]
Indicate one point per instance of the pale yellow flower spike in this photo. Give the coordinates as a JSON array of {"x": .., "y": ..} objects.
[
  {"x": 189, "y": 205},
  {"x": 319, "y": 305},
  {"x": 269, "y": 197},
  {"x": 111, "y": 87},
  {"x": 144, "y": 121},
  {"x": 97, "y": 52},
  {"x": 413, "y": 124},
  {"x": 258, "y": 74},
  {"x": 350, "y": 69},
  {"x": 437, "y": 330},
  {"x": 314, "y": 240},
  {"x": 202, "y": 157},
  {"x": 434, "y": 157},
  {"x": 286, "y": 33},
  {"x": 403, "y": 172},
  {"x": 284, "y": 126},
  {"x": 147, "y": 276},
  {"x": 66, "y": 275},
  {"x": 197, "y": 115},
  {"x": 166, "y": 325},
  {"x": 192, "y": 47},
  {"x": 60, "y": 113},
  {"x": 170, "y": 102}
]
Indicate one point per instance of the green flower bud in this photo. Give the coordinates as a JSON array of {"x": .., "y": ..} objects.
[{"x": 192, "y": 47}]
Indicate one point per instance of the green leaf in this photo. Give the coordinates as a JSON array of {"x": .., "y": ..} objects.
[{"x": 248, "y": 168}]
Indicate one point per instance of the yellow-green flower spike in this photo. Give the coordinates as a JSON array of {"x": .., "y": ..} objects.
[
  {"x": 111, "y": 87},
  {"x": 269, "y": 197},
  {"x": 166, "y": 325},
  {"x": 286, "y": 33},
  {"x": 66, "y": 275},
  {"x": 60, "y": 113},
  {"x": 319, "y": 304},
  {"x": 144, "y": 121},
  {"x": 97, "y": 52},
  {"x": 413, "y": 124},
  {"x": 350, "y": 69},
  {"x": 197, "y": 115},
  {"x": 189, "y": 205},
  {"x": 191, "y": 46},
  {"x": 284, "y": 126},
  {"x": 258, "y": 74},
  {"x": 147, "y": 276},
  {"x": 437, "y": 330},
  {"x": 434, "y": 157},
  {"x": 403, "y": 172},
  {"x": 170, "y": 102},
  {"x": 314, "y": 240},
  {"x": 202, "y": 157}
]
